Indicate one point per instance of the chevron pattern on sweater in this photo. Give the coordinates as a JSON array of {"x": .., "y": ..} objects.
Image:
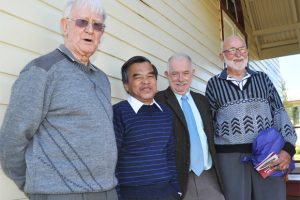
[{"x": 235, "y": 124}]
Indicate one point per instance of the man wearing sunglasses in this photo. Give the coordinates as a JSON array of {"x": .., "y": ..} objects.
[
  {"x": 245, "y": 102},
  {"x": 57, "y": 138}
]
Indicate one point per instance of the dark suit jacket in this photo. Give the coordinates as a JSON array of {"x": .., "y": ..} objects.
[{"x": 182, "y": 135}]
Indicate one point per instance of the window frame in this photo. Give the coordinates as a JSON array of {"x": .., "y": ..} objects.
[{"x": 238, "y": 19}]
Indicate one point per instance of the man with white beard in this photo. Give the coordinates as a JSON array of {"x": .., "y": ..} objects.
[{"x": 243, "y": 103}]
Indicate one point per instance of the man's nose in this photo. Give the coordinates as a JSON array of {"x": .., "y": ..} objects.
[
  {"x": 238, "y": 53},
  {"x": 180, "y": 77},
  {"x": 89, "y": 28},
  {"x": 145, "y": 80}
]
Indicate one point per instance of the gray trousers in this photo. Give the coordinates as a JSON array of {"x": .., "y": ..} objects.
[
  {"x": 203, "y": 187},
  {"x": 241, "y": 181},
  {"x": 108, "y": 195}
]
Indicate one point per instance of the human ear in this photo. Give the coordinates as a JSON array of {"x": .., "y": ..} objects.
[
  {"x": 221, "y": 56},
  {"x": 166, "y": 73},
  {"x": 126, "y": 88},
  {"x": 64, "y": 26}
]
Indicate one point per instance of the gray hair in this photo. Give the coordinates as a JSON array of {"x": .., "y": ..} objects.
[
  {"x": 93, "y": 5},
  {"x": 179, "y": 56}
]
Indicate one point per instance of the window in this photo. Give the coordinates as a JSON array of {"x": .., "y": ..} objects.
[{"x": 233, "y": 8}]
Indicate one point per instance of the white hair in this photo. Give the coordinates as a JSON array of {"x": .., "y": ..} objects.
[
  {"x": 178, "y": 56},
  {"x": 93, "y": 5}
]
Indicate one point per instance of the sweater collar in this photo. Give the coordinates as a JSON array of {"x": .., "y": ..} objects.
[
  {"x": 63, "y": 49},
  {"x": 223, "y": 74}
]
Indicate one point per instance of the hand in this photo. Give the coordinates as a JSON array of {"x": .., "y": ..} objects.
[{"x": 283, "y": 161}]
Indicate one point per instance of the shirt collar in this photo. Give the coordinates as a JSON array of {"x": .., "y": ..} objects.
[
  {"x": 224, "y": 74},
  {"x": 178, "y": 96},
  {"x": 62, "y": 48},
  {"x": 246, "y": 76},
  {"x": 136, "y": 104}
]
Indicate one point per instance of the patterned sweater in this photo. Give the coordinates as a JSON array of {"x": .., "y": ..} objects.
[
  {"x": 145, "y": 145},
  {"x": 240, "y": 114}
]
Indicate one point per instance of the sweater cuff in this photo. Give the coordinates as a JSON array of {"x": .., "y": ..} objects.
[{"x": 288, "y": 147}]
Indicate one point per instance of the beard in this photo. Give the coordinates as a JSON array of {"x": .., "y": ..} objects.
[{"x": 236, "y": 64}]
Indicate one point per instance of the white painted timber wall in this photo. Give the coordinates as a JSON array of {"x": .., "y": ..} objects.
[{"x": 152, "y": 28}]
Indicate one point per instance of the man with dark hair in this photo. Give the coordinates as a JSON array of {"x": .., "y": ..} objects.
[{"x": 143, "y": 128}]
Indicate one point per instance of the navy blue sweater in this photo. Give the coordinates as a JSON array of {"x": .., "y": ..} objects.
[{"x": 145, "y": 145}]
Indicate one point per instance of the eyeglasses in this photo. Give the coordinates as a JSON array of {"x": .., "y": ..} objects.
[
  {"x": 83, "y": 23},
  {"x": 232, "y": 51}
]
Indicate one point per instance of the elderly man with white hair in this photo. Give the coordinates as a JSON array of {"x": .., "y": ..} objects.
[
  {"x": 245, "y": 102},
  {"x": 57, "y": 139},
  {"x": 197, "y": 168}
]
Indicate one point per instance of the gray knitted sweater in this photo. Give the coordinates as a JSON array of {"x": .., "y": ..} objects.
[{"x": 57, "y": 135}]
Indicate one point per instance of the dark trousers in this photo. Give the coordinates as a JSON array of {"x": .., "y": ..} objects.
[{"x": 162, "y": 191}]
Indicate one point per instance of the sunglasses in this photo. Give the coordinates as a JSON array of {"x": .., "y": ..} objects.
[{"x": 83, "y": 23}]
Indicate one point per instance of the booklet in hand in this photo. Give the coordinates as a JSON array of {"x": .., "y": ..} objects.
[{"x": 263, "y": 167}]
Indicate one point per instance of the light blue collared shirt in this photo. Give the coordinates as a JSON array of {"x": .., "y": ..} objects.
[
  {"x": 202, "y": 135},
  {"x": 136, "y": 104}
]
